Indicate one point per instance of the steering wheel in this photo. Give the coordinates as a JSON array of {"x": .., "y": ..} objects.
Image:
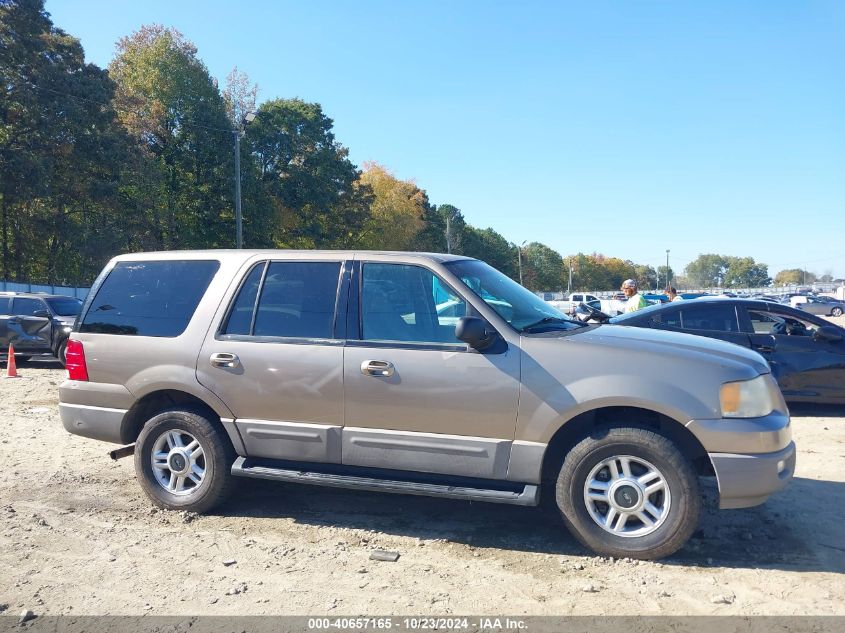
[
  {"x": 592, "y": 313},
  {"x": 779, "y": 328}
]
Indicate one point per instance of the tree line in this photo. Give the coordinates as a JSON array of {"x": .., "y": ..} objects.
[{"x": 139, "y": 156}]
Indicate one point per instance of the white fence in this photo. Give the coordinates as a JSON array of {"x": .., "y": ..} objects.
[{"x": 11, "y": 286}]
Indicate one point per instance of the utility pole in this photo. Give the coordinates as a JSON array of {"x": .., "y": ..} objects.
[
  {"x": 667, "y": 268},
  {"x": 569, "y": 286},
  {"x": 448, "y": 234},
  {"x": 249, "y": 117},
  {"x": 519, "y": 254},
  {"x": 239, "y": 240}
]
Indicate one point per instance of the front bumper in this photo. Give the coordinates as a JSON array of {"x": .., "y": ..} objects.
[
  {"x": 752, "y": 457},
  {"x": 748, "y": 480}
]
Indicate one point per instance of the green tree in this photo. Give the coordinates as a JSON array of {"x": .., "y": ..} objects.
[
  {"x": 172, "y": 108},
  {"x": 664, "y": 276},
  {"x": 744, "y": 272},
  {"x": 61, "y": 152},
  {"x": 542, "y": 268},
  {"x": 707, "y": 270},
  {"x": 491, "y": 247},
  {"x": 314, "y": 188}
]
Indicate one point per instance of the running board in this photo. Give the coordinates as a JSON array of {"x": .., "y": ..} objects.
[{"x": 245, "y": 467}]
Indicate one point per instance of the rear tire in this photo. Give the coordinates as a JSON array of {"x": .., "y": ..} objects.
[
  {"x": 628, "y": 492},
  {"x": 183, "y": 462}
]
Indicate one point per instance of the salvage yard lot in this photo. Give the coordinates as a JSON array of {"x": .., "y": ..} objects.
[{"x": 77, "y": 536}]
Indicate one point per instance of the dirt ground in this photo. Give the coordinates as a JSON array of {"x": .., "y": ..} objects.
[{"x": 77, "y": 536}]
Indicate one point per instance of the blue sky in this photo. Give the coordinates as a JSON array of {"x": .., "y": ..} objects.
[{"x": 625, "y": 128}]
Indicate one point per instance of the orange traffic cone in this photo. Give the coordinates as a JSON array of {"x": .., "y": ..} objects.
[{"x": 11, "y": 367}]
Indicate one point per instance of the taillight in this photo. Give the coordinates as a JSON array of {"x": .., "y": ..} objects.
[{"x": 75, "y": 361}]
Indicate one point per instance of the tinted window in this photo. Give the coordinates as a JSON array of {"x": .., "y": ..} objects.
[
  {"x": 149, "y": 298},
  {"x": 27, "y": 307},
  {"x": 298, "y": 300},
  {"x": 240, "y": 317},
  {"x": 65, "y": 307},
  {"x": 408, "y": 303},
  {"x": 721, "y": 318}
]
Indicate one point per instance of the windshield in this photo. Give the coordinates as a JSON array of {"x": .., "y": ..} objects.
[
  {"x": 515, "y": 304},
  {"x": 65, "y": 307}
]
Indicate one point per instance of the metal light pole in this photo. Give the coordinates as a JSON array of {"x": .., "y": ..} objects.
[
  {"x": 239, "y": 238},
  {"x": 519, "y": 254},
  {"x": 667, "y": 267}
]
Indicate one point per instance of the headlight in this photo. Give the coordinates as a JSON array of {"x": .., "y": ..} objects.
[{"x": 750, "y": 398}]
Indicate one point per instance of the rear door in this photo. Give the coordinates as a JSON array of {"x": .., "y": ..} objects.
[
  {"x": 5, "y": 306},
  {"x": 276, "y": 358},
  {"x": 711, "y": 319},
  {"x": 29, "y": 325}
]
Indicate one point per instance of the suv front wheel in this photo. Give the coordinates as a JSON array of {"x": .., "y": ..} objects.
[
  {"x": 183, "y": 462},
  {"x": 628, "y": 492}
]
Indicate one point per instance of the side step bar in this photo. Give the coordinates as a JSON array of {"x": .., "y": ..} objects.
[{"x": 244, "y": 467}]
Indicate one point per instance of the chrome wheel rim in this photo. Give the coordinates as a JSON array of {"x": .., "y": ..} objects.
[
  {"x": 178, "y": 462},
  {"x": 627, "y": 496}
]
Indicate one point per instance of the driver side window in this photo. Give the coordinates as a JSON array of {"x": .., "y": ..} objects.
[{"x": 410, "y": 304}]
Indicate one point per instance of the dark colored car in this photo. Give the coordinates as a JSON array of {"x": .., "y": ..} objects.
[
  {"x": 806, "y": 352},
  {"x": 36, "y": 323}
]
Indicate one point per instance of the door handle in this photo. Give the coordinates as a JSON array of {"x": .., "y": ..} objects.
[
  {"x": 225, "y": 359},
  {"x": 377, "y": 368},
  {"x": 764, "y": 348}
]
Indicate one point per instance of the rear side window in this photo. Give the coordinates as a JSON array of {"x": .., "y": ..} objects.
[
  {"x": 297, "y": 301},
  {"x": 721, "y": 318},
  {"x": 27, "y": 307},
  {"x": 149, "y": 298}
]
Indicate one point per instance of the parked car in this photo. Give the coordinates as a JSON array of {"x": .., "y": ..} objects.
[
  {"x": 36, "y": 323},
  {"x": 335, "y": 368},
  {"x": 806, "y": 353},
  {"x": 820, "y": 305}
]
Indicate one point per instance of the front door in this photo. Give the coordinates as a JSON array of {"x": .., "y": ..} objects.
[
  {"x": 417, "y": 398},
  {"x": 276, "y": 360},
  {"x": 806, "y": 367}
]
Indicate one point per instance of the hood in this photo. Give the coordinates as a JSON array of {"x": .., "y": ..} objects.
[{"x": 675, "y": 345}]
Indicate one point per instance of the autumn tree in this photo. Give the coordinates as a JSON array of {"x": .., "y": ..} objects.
[
  {"x": 397, "y": 210},
  {"x": 794, "y": 277}
]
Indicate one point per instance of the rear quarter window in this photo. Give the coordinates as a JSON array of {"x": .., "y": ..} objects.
[{"x": 154, "y": 298}]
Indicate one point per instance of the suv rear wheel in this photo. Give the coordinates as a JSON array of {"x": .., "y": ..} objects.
[
  {"x": 628, "y": 492},
  {"x": 183, "y": 462}
]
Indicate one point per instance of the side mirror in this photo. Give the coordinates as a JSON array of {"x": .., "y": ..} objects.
[
  {"x": 828, "y": 333},
  {"x": 41, "y": 314},
  {"x": 473, "y": 331}
]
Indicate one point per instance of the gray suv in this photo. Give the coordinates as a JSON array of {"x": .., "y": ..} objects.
[{"x": 420, "y": 374}]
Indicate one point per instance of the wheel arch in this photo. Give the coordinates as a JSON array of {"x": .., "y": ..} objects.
[
  {"x": 602, "y": 418},
  {"x": 157, "y": 401}
]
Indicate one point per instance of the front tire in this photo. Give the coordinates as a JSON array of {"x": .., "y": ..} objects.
[
  {"x": 183, "y": 461},
  {"x": 836, "y": 312},
  {"x": 628, "y": 492},
  {"x": 61, "y": 353}
]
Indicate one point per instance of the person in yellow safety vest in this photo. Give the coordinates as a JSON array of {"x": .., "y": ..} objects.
[{"x": 635, "y": 299}]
